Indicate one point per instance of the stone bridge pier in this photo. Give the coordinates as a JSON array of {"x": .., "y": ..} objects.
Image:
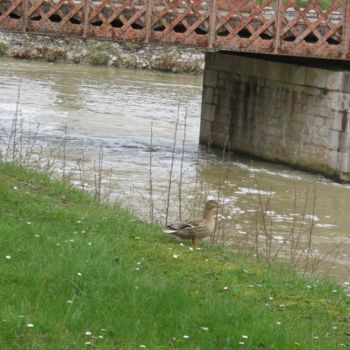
[{"x": 296, "y": 114}]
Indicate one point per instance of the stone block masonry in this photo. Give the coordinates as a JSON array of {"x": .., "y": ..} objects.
[{"x": 281, "y": 112}]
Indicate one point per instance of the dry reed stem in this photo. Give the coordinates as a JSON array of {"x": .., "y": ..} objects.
[
  {"x": 150, "y": 193},
  {"x": 64, "y": 158},
  {"x": 171, "y": 167},
  {"x": 182, "y": 163}
]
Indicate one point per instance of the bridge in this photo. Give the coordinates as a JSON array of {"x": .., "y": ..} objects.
[
  {"x": 267, "y": 91},
  {"x": 320, "y": 28}
]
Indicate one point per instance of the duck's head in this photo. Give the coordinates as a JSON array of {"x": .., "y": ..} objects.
[{"x": 212, "y": 204}]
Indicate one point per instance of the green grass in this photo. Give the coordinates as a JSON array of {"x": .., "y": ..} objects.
[
  {"x": 325, "y": 4},
  {"x": 76, "y": 267}
]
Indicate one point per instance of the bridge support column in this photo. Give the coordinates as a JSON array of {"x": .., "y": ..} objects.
[{"x": 292, "y": 114}]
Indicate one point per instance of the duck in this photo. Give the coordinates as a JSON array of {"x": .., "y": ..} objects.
[{"x": 196, "y": 228}]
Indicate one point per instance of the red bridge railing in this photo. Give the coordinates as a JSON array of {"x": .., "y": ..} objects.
[{"x": 264, "y": 26}]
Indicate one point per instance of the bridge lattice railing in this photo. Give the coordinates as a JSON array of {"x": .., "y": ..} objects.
[{"x": 318, "y": 28}]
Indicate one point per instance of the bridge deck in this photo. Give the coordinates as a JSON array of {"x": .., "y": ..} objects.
[{"x": 261, "y": 26}]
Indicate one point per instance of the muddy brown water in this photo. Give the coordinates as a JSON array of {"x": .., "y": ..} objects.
[{"x": 117, "y": 108}]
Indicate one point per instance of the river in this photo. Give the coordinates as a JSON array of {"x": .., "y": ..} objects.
[{"x": 99, "y": 122}]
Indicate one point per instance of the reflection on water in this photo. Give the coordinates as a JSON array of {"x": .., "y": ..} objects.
[{"x": 116, "y": 108}]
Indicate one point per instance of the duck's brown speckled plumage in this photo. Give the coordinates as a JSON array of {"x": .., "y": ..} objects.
[{"x": 196, "y": 228}]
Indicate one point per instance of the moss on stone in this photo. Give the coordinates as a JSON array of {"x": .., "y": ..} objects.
[
  {"x": 324, "y": 91},
  {"x": 172, "y": 64},
  {"x": 100, "y": 53},
  {"x": 98, "y": 58},
  {"x": 53, "y": 54},
  {"x": 165, "y": 64},
  {"x": 3, "y": 48}
]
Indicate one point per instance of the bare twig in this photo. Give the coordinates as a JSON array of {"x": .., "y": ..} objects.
[
  {"x": 64, "y": 153},
  {"x": 171, "y": 168},
  {"x": 150, "y": 193},
  {"x": 181, "y": 164}
]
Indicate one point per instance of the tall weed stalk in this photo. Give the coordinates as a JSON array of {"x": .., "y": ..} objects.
[{"x": 171, "y": 167}]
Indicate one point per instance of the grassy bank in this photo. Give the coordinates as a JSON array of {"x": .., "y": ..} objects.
[{"x": 75, "y": 275}]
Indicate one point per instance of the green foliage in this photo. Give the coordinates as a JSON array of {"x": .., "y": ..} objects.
[
  {"x": 99, "y": 53},
  {"x": 325, "y": 4},
  {"x": 74, "y": 274},
  {"x": 98, "y": 58},
  {"x": 3, "y": 48}
]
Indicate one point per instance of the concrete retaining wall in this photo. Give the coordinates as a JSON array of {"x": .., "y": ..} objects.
[{"x": 277, "y": 111}]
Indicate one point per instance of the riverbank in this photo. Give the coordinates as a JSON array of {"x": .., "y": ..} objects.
[
  {"x": 104, "y": 53},
  {"x": 75, "y": 275}
]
